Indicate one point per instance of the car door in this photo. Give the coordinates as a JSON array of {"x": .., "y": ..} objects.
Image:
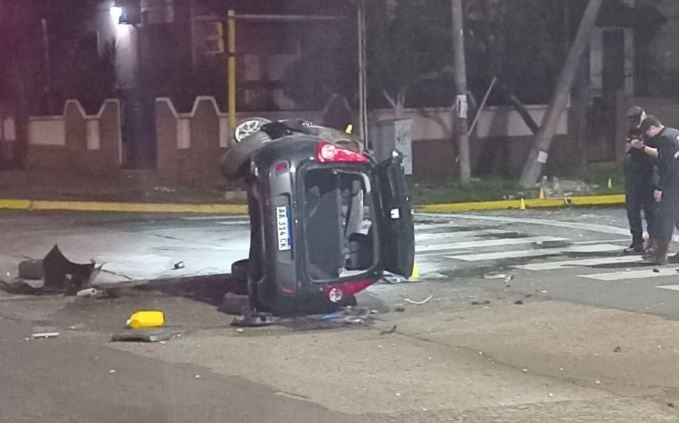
[{"x": 397, "y": 231}]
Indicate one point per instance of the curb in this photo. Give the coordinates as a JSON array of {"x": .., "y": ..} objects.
[
  {"x": 240, "y": 209},
  {"x": 584, "y": 201},
  {"x": 100, "y": 206}
]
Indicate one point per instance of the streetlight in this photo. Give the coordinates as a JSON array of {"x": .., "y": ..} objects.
[{"x": 116, "y": 12}]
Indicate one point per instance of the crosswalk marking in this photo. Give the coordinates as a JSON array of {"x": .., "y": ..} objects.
[
  {"x": 478, "y": 245},
  {"x": 488, "y": 243},
  {"x": 554, "y": 265},
  {"x": 631, "y": 274},
  {"x": 424, "y": 226},
  {"x": 670, "y": 287},
  {"x": 464, "y": 234},
  {"x": 500, "y": 255}
]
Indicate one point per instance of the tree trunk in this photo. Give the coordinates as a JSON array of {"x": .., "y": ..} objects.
[
  {"x": 540, "y": 152},
  {"x": 461, "y": 125}
]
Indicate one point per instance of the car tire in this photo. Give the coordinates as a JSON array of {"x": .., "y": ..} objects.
[
  {"x": 239, "y": 277},
  {"x": 238, "y": 155},
  {"x": 248, "y": 127}
]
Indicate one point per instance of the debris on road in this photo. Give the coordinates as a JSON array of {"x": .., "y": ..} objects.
[
  {"x": 425, "y": 301},
  {"x": 87, "y": 292},
  {"x": 348, "y": 316},
  {"x": 518, "y": 302},
  {"x": 399, "y": 308},
  {"x": 491, "y": 276},
  {"x": 178, "y": 265},
  {"x": 57, "y": 273},
  {"x": 44, "y": 335},
  {"x": 484, "y": 302},
  {"x": 617, "y": 349},
  {"x": 331, "y": 316},
  {"x": 65, "y": 276},
  {"x": 146, "y": 319},
  {"x": 253, "y": 319},
  {"x": 31, "y": 269},
  {"x": 143, "y": 335},
  {"x": 388, "y": 331}
]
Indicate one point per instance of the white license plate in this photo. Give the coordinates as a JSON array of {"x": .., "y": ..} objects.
[{"x": 282, "y": 223}]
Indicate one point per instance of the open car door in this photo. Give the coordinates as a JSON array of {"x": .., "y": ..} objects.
[{"x": 397, "y": 228}]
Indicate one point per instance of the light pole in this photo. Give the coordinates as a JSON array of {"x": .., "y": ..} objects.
[{"x": 461, "y": 107}]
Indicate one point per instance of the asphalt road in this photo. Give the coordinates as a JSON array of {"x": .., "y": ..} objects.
[
  {"x": 572, "y": 255},
  {"x": 536, "y": 317},
  {"x": 73, "y": 379}
]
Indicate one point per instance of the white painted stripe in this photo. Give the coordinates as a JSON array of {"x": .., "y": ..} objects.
[
  {"x": 507, "y": 254},
  {"x": 631, "y": 274},
  {"x": 234, "y": 222},
  {"x": 488, "y": 243},
  {"x": 499, "y": 255},
  {"x": 598, "y": 241},
  {"x": 593, "y": 248},
  {"x": 670, "y": 287},
  {"x": 453, "y": 235},
  {"x": 209, "y": 218},
  {"x": 591, "y": 227},
  {"x": 554, "y": 265},
  {"x": 424, "y": 226}
]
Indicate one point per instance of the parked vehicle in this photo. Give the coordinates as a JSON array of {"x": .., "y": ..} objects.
[{"x": 327, "y": 220}]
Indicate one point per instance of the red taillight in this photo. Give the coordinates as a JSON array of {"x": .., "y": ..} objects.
[
  {"x": 281, "y": 167},
  {"x": 337, "y": 292},
  {"x": 330, "y": 153},
  {"x": 288, "y": 288}
]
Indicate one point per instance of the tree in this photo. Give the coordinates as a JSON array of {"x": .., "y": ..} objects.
[{"x": 408, "y": 43}]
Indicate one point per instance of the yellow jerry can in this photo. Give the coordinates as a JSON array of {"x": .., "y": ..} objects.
[{"x": 146, "y": 319}]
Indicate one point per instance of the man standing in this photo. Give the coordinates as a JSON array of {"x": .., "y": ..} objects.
[
  {"x": 666, "y": 142},
  {"x": 639, "y": 186}
]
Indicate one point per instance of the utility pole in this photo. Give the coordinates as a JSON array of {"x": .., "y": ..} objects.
[
  {"x": 231, "y": 66},
  {"x": 461, "y": 107},
  {"x": 362, "y": 76},
  {"x": 543, "y": 139},
  {"x": 48, "y": 67}
]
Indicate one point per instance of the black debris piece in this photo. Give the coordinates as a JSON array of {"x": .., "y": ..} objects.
[
  {"x": 388, "y": 331},
  {"x": 62, "y": 275},
  {"x": 143, "y": 335},
  {"x": 31, "y": 269}
]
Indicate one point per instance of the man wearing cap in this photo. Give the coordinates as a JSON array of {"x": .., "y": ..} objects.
[
  {"x": 639, "y": 186},
  {"x": 666, "y": 150}
]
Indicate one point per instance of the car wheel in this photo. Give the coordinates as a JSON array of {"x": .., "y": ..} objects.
[
  {"x": 239, "y": 277},
  {"x": 248, "y": 127},
  {"x": 238, "y": 155}
]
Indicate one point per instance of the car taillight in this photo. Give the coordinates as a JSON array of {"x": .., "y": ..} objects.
[
  {"x": 336, "y": 292},
  {"x": 281, "y": 167},
  {"x": 329, "y": 153},
  {"x": 288, "y": 288}
]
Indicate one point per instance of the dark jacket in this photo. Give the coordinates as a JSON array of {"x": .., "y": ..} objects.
[
  {"x": 667, "y": 143},
  {"x": 639, "y": 166}
]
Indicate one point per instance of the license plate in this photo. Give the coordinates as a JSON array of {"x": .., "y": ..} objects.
[{"x": 283, "y": 225}]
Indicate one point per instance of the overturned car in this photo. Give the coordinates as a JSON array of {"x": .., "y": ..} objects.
[{"x": 327, "y": 219}]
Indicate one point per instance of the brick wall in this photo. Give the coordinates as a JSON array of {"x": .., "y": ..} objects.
[{"x": 76, "y": 141}]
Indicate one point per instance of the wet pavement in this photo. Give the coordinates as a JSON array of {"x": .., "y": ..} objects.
[
  {"x": 569, "y": 254},
  {"x": 517, "y": 317}
]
